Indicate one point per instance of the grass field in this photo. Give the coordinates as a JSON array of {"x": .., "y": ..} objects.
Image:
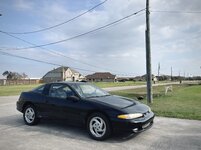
[
  {"x": 17, "y": 89},
  {"x": 115, "y": 84},
  {"x": 183, "y": 102}
]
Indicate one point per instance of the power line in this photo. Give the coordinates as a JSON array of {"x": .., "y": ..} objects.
[
  {"x": 115, "y": 24},
  {"x": 60, "y": 24},
  {"x": 53, "y": 51},
  {"x": 17, "y": 56},
  {"x": 57, "y": 53},
  {"x": 175, "y": 11},
  {"x": 40, "y": 61},
  {"x": 46, "y": 62},
  {"x": 83, "y": 34}
]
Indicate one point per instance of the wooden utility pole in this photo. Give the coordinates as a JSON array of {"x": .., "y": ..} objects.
[
  {"x": 171, "y": 74},
  {"x": 159, "y": 67},
  {"x": 148, "y": 56}
]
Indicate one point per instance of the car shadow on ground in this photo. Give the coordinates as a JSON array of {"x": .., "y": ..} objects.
[
  {"x": 60, "y": 129},
  {"x": 65, "y": 129}
]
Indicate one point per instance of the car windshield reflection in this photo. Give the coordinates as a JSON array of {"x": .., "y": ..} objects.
[{"x": 89, "y": 91}]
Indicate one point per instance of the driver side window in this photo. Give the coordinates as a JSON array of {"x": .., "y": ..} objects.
[{"x": 60, "y": 91}]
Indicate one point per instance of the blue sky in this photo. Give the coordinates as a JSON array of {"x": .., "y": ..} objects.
[{"x": 120, "y": 49}]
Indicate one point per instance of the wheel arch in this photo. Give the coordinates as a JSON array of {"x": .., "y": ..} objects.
[{"x": 26, "y": 104}]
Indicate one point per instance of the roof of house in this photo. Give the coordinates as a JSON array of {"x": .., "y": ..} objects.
[
  {"x": 101, "y": 75},
  {"x": 59, "y": 70},
  {"x": 65, "y": 68}
]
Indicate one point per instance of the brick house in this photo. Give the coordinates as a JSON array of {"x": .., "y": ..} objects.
[{"x": 101, "y": 77}]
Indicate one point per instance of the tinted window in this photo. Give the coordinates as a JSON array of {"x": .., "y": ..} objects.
[
  {"x": 39, "y": 89},
  {"x": 60, "y": 91}
]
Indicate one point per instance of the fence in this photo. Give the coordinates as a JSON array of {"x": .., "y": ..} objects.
[{"x": 19, "y": 82}]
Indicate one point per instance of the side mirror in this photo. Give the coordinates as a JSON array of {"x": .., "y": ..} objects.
[{"x": 73, "y": 98}]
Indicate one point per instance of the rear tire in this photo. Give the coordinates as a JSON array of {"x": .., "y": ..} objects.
[
  {"x": 30, "y": 115},
  {"x": 98, "y": 126}
]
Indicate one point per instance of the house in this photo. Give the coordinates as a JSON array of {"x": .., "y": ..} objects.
[
  {"x": 124, "y": 79},
  {"x": 144, "y": 78},
  {"x": 163, "y": 77},
  {"x": 101, "y": 77},
  {"x": 62, "y": 74},
  {"x": 139, "y": 78}
]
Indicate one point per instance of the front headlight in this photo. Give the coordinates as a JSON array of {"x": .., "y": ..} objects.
[
  {"x": 149, "y": 109},
  {"x": 130, "y": 116}
]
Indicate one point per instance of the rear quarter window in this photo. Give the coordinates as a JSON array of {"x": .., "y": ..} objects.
[{"x": 39, "y": 89}]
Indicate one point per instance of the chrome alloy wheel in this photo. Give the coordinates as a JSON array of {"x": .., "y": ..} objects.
[
  {"x": 29, "y": 115},
  {"x": 97, "y": 126}
]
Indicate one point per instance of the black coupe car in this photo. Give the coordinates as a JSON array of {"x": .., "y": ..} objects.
[{"x": 84, "y": 103}]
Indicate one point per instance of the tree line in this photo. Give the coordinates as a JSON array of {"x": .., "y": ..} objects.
[{"x": 14, "y": 75}]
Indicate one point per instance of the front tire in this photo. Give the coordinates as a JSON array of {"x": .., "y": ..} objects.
[
  {"x": 30, "y": 115},
  {"x": 98, "y": 126}
]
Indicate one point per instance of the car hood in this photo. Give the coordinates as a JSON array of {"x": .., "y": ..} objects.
[
  {"x": 116, "y": 101},
  {"x": 139, "y": 108},
  {"x": 126, "y": 104}
]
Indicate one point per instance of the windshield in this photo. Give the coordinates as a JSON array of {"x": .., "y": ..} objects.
[{"x": 89, "y": 90}]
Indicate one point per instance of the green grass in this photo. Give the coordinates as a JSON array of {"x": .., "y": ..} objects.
[
  {"x": 115, "y": 84},
  {"x": 183, "y": 102},
  {"x": 15, "y": 89}
]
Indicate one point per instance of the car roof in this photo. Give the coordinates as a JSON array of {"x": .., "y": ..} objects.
[{"x": 70, "y": 82}]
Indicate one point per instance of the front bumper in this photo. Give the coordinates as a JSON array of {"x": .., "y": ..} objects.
[
  {"x": 133, "y": 125},
  {"x": 19, "y": 106}
]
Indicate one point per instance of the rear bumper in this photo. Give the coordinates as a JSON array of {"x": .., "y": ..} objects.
[{"x": 134, "y": 125}]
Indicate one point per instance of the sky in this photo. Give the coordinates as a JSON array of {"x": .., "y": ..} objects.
[{"x": 119, "y": 49}]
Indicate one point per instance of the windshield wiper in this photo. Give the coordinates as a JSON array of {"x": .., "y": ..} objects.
[
  {"x": 104, "y": 95},
  {"x": 98, "y": 96},
  {"x": 92, "y": 96}
]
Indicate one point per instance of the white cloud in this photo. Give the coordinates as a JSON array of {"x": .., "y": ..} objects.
[
  {"x": 124, "y": 40},
  {"x": 122, "y": 46},
  {"x": 23, "y": 4}
]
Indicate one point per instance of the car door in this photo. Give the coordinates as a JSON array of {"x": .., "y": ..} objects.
[
  {"x": 53, "y": 100},
  {"x": 62, "y": 103},
  {"x": 72, "y": 107},
  {"x": 39, "y": 97}
]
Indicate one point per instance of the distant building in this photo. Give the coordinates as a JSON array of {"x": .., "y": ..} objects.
[
  {"x": 62, "y": 74},
  {"x": 163, "y": 77},
  {"x": 123, "y": 79},
  {"x": 101, "y": 77},
  {"x": 144, "y": 78}
]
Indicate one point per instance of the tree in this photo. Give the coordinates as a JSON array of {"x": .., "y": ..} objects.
[
  {"x": 8, "y": 74},
  {"x": 24, "y": 75},
  {"x": 14, "y": 75}
]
